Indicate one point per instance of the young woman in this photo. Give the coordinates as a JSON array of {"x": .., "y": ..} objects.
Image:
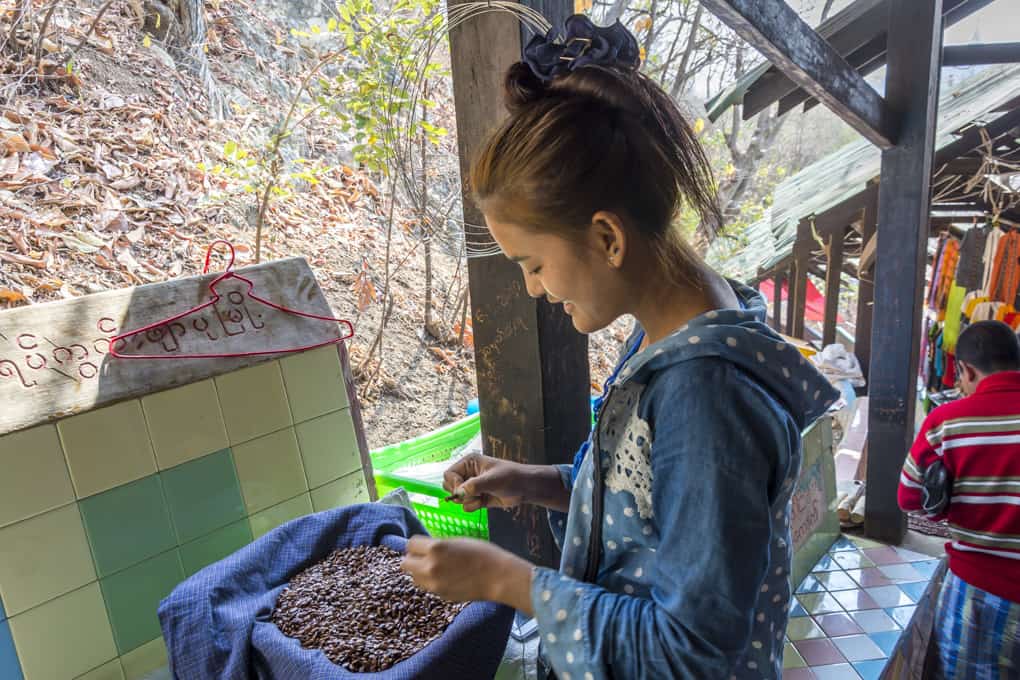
[{"x": 674, "y": 518}]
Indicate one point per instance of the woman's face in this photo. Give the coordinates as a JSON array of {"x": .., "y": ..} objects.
[{"x": 574, "y": 272}]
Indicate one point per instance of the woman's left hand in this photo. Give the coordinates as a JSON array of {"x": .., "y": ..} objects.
[{"x": 465, "y": 569}]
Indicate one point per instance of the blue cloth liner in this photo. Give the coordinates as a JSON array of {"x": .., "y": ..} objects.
[{"x": 217, "y": 626}]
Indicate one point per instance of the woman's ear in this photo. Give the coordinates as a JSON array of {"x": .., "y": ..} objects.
[{"x": 610, "y": 237}]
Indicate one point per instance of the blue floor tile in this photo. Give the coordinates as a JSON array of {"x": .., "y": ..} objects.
[
  {"x": 914, "y": 590},
  {"x": 901, "y": 615},
  {"x": 886, "y": 641},
  {"x": 797, "y": 610},
  {"x": 810, "y": 585},
  {"x": 843, "y": 543},
  {"x": 870, "y": 670},
  {"x": 927, "y": 568},
  {"x": 3, "y": 614},
  {"x": 10, "y": 667},
  {"x": 826, "y": 564}
]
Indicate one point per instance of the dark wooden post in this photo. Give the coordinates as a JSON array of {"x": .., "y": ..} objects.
[
  {"x": 777, "y": 301},
  {"x": 912, "y": 80},
  {"x": 798, "y": 285},
  {"x": 833, "y": 271},
  {"x": 866, "y": 285},
  {"x": 791, "y": 274},
  {"x": 531, "y": 365}
]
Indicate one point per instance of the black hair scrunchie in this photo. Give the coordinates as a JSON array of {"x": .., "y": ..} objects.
[{"x": 582, "y": 44}]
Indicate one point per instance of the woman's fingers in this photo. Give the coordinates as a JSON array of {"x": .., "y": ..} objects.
[
  {"x": 419, "y": 545},
  {"x": 473, "y": 503},
  {"x": 451, "y": 480},
  {"x": 464, "y": 469}
]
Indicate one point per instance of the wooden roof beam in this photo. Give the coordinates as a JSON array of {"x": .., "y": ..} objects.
[
  {"x": 847, "y": 32},
  {"x": 775, "y": 30},
  {"x": 970, "y": 139},
  {"x": 866, "y": 60},
  {"x": 862, "y": 38},
  {"x": 973, "y": 55}
]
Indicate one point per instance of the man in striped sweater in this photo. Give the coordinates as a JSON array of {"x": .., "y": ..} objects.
[{"x": 977, "y": 440}]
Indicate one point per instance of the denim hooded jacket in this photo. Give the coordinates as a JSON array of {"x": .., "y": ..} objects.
[{"x": 699, "y": 446}]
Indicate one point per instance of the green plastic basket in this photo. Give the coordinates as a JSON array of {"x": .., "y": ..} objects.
[{"x": 442, "y": 518}]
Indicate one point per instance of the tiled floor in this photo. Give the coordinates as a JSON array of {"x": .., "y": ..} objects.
[{"x": 848, "y": 613}]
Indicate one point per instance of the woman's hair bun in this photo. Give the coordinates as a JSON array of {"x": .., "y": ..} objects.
[
  {"x": 521, "y": 87},
  {"x": 552, "y": 59}
]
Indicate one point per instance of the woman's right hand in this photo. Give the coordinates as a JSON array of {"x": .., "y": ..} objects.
[{"x": 478, "y": 481}]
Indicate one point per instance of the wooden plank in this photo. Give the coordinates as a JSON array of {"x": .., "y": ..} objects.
[
  {"x": 847, "y": 32},
  {"x": 833, "y": 272},
  {"x": 957, "y": 10},
  {"x": 798, "y": 283},
  {"x": 961, "y": 166},
  {"x": 866, "y": 284},
  {"x": 912, "y": 82},
  {"x": 970, "y": 139},
  {"x": 866, "y": 59},
  {"x": 777, "y": 301},
  {"x": 973, "y": 55},
  {"x": 531, "y": 366},
  {"x": 55, "y": 360},
  {"x": 871, "y": 57},
  {"x": 838, "y": 217},
  {"x": 359, "y": 422},
  {"x": 790, "y": 275},
  {"x": 776, "y": 31}
]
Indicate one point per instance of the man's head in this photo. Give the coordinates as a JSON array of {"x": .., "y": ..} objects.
[{"x": 984, "y": 348}]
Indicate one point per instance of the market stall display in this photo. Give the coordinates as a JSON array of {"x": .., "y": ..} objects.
[{"x": 976, "y": 278}]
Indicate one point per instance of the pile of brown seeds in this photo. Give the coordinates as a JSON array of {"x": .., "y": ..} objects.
[{"x": 361, "y": 610}]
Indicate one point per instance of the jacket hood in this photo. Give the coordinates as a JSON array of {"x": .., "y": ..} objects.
[{"x": 742, "y": 337}]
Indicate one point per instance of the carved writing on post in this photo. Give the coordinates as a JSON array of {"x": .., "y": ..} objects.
[{"x": 55, "y": 358}]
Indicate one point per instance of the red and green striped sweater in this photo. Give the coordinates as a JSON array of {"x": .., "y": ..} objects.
[{"x": 978, "y": 440}]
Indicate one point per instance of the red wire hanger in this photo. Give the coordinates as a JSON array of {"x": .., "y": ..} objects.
[{"x": 216, "y": 297}]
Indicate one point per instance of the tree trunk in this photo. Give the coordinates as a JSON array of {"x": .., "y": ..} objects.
[
  {"x": 746, "y": 162},
  {"x": 685, "y": 61},
  {"x": 425, "y": 227},
  {"x": 186, "y": 36},
  {"x": 826, "y": 9},
  {"x": 650, "y": 33},
  {"x": 616, "y": 11}
]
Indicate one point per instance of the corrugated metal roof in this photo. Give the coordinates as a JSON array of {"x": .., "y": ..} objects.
[{"x": 846, "y": 172}]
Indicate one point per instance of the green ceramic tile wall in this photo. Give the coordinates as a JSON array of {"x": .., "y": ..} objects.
[
  {"x": 42, "y": 558},
  {"x": 107, "y": 447},
  {"x": 203, "y": 495},
  {"x": 270, "y": 518},
  {"x": 65, "y": 637},
  {"x": 214, "y": 547},
  {"x": 108, "y": 671},
  {"x": 31, "y": 484},
  {"x": 103, "y": 513},
  {"x": 185, "y": 423},
  {"x": 127, "y": 525},
  {"x": 133, "y": 595}
]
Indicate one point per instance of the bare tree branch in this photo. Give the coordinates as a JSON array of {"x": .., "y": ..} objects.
[
  {"x": 682, "y": 76},
  {"x": 826, "y": 8},
  {"x": 616, "y": 11}
]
